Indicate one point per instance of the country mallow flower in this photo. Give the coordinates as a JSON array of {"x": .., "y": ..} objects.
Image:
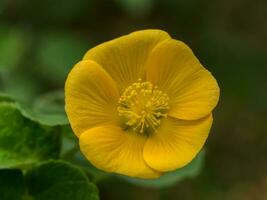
[{"x": 140, "y": 104}]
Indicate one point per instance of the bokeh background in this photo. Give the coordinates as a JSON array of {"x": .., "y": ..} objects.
[{"x": 41, "y": 40}]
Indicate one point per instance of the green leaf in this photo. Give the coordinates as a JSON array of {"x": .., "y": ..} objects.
[
  {"x": 48, "y": 109},
  {"x": 172, "y": 178},
  {"x": 11, "y": 185},
  {"x": 22, "y": 141},
  {"x": 5, "y": 98},
  {"x": 56, "y": 180}
]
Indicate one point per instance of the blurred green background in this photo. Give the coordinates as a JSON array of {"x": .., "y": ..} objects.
[{"x": 40, "y": 41}]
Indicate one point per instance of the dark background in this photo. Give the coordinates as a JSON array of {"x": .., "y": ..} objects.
[{"x": 41, "y": 40}]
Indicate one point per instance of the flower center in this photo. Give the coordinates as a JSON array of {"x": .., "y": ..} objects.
[{"x": 142, "y": 106}]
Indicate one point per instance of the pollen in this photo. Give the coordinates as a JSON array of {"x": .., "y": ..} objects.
[{"x": 142, "y": 106}]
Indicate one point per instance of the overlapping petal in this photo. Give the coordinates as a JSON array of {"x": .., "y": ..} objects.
[
  {"x": 176, "y": 143},
  {"x": 111, "y": 149},
  {"x": 124, "y": 58},
  {"x": 193, "y": 91},
  {"x": 90, "y": 96}
]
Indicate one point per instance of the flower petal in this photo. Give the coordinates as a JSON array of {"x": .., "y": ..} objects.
[
  {"x": 176, "y": 143},
  {"x": 193, "y": 91},
  {"x": 112, "y": 150},
  {"x": 197, "y": 97},
  {"x": 90, "y": 95},
  {"x": 124, "y": 58}
]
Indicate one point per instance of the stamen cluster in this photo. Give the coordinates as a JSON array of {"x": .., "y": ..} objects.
[{"x": 142, "y": 105}]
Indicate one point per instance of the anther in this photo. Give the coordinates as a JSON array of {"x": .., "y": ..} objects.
[{"x": 142, "y": 106}]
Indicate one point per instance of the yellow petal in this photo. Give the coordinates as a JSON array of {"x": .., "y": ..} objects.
[
  {"x": 176, "y": 143},
  {"x": 197, "y": 97},
  {"x": 124, "y": 58},
  {"x": 193, "y": 91},
  {"x": 90, "y": 96},
  {"x": 112, "y": 150}
]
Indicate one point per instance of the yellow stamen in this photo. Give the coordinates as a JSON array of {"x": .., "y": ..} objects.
[{"x": 142, "y": 106}]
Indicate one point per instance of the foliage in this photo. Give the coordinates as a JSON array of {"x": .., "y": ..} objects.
[
  {"x": 12, "y": 186},
  {"x": 41, "y": 40},
  {"x": 23, "y": 142},
  {"x": 60, "y": 180},
  {"x": 48, "y": 180}
]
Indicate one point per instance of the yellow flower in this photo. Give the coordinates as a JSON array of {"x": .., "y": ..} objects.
[{"x": 140, "y": 104}]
